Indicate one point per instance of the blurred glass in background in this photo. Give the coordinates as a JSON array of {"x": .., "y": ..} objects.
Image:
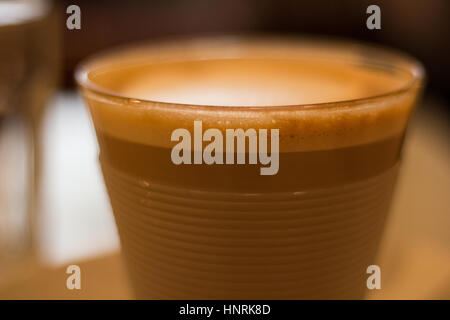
[{"x": 28, "y": 74}]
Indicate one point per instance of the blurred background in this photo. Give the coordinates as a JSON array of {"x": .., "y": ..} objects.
[{"x": 53, "y": 207}]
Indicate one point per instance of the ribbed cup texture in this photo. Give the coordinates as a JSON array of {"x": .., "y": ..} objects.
[{"x": 188, "y": 244}]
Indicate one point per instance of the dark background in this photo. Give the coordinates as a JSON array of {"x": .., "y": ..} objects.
[{"x": 418, "y": 27}]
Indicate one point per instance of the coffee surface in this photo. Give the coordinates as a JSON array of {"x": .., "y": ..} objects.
[
  {"x": 298, "y": 95},
  {"x": 254, "y": 82}
]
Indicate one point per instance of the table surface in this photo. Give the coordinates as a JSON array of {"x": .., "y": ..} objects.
[{"x": 76, "y": 224}]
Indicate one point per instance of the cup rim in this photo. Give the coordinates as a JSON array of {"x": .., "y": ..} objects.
[{"x": 415, "y": 69}]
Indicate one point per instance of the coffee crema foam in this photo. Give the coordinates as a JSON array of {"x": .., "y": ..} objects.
[{"x": 261, "y": 89}]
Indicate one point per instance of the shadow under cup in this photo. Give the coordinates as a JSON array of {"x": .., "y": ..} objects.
[{"x": 224, "y": 231}]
